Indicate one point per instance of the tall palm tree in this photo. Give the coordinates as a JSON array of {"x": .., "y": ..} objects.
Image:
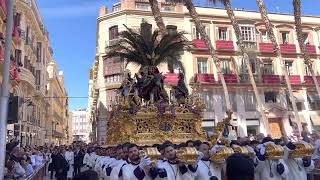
[
  {"x": 306, "y": 56},
  {"x": 149, "y": 51},
  {"x": 204, "y": 36},
  {"x": 244, "y": 52},
  {"x": 157, "y": 15},
  {"x": 269, "y": 28}
]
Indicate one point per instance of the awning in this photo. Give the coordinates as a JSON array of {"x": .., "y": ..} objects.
[
  {"x": 313, "y": 97},
  {"x": 298, "y": 96},
  {"x": 252, "y": 122},
  {"x": 315, "y": 119}
]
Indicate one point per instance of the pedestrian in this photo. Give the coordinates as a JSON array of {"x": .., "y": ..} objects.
[
  {"x": 61, "y": 165},
  {"x": 78, "y": 159},
  {"x": 69, "y": 155},
  {"x": 52, "y": 162}
]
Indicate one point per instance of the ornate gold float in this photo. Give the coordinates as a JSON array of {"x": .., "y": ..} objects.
[{"x": 301, "y": 150}]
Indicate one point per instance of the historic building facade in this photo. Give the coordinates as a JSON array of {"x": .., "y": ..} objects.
[
  {"x": 30, "y": 55},
  {"x": 57, "y": 125},
  {"x": 199, "y": 66},
  {"x": 81, "y": 125}
]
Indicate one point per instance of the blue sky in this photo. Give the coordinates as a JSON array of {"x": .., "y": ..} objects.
[{"x": 72, "y": 28}]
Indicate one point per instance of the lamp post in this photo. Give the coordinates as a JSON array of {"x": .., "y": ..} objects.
[{"x": 5, "y": 87}]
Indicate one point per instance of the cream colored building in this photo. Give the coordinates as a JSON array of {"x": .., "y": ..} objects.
[
  {"x": 57, "y": 123},
  {"x": 81, "y": 125},
  {"x": 31, "y": 53},
  {"x": 107, "y": 73}
]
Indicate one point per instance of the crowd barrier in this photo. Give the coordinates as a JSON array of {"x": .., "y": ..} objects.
[{"x": 39, "y": 172}]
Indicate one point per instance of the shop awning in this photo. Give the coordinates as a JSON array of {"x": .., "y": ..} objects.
[
  {"x": 315, "y": 119},
  {"x": 314, "y": 97},
  {"x": 298, "y": 96}
]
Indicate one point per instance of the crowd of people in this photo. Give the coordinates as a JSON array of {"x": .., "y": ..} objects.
[{"x": 125, "y": 161}]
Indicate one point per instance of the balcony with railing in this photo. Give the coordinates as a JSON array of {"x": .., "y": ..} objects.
[
  {"x": 266, "y": 47},
  {"x": 271, "y": 79},
  {"x": 204, "y": 78},
  {"x": 224, "y": 45},
  {"x": 199, "y": 44},
  {"x": 309, "y": 79},
  {"x": 171, "y": 78},
  {"x": 288, "y": 48},
  {"x": 294, "y": 79},
  {"x": 311, "y": 49},
  {"x": 27, "y": 76},
  {"x": 3, "y": 9},
  {"x": 14, "y": 69},
  {"x": 244, "y": 78},
  {"x": 16, "y": 34},
  {"x": 230, "y": 78}
]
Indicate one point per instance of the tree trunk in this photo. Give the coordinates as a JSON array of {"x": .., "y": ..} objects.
[
  {"x": 306, "y": 56},
  {"x": 244, "y": 53},
  {"x": 276, "y": 47},
  {"x": 201, "y": 29},
  {"x": 157, "y": 15}
]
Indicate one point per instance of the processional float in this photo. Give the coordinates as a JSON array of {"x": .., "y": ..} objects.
[{"x": 143, "y": 113}]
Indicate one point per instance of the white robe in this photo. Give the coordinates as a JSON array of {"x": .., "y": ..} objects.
[
  {"x": 264, "y": 167},
  {"x": 116, "y": 170},
  {"x": 69, "y": 156},
  {"x": 297, "y": 171},
  {"x": 86, "y": 160},
  {"x": 203, "y": 170},
  {"x": 107, "y": 162},
  {"x": 128, "y": 172},
  {"x": 173, "y": 172}
]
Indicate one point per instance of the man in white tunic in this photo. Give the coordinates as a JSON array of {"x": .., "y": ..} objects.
[
  {"x": 136, "y": 168},
  {"x": 298, "y": 167},
  {"x": 120, "y": 162},
  {"x": 207, "y": 168},
  {"x": 269, "y": 169},
  {"x": 174, "y": 170},
  {"x": 69, "y": 156}
]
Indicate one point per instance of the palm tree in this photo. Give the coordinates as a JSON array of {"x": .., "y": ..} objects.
[
  {"x": 157, "y": 15},
  {"x": 269, "y": 28},
  {"x": 149, "y": 51},
  {"x": 306, "y": 56},
  {"x": 241, "y": 45},
  {"x": 201, "y": 29}
]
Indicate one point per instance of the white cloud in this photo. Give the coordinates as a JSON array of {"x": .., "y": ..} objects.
[{"x": 76, "y": 10}]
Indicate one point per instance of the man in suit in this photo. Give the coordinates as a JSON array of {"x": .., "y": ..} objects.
[
  {"x": 78, "y": 159},
  {"x": 61, "y": 165}
]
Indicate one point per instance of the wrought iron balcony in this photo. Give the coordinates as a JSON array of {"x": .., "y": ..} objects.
[
  {"x": 288, "y": 48},
  {"x": 199, "y": 44},
  {"x": 224, "y": 45},
  {"x": 271, "y": 79},
  {"x": 311, "y": 49},
  {"x": 266, "y": 47},
  {"x": 204, "y": 78},
  {"x": 244, "y": 78}
]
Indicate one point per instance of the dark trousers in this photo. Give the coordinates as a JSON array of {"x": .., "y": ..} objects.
[
  {"x": 77, "y": 169},
  {"x": 51, "y": 174},
  {"x": 61, "y": 176}
]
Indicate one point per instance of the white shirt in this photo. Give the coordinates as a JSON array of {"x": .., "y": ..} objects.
[
  {"x": 207, "y": 169},
  {"x": 128, "y": 172},
  {"x": 174, "y": 173}
]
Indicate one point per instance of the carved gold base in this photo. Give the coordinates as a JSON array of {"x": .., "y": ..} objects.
[{"x": 147, "y": 127}]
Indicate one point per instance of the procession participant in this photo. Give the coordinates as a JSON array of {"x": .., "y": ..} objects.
[
  {"x": 69, "y": 156},
  {"x": 121, "y": 161},
  {"x": 268, "y": 169},
  {"x": 136, "y": 168},
  {"x": 207, "y": 168},
  {"x": 297, "y": 167},
  {"x": 86, "y": 157},
  {"x": 172, "y": 169},
  {"x": 239, "y": 167},
  {"x": 89, "y": 158},
  {"x": 61, "y": 165},
  {"x": 78, "y": 159}
]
